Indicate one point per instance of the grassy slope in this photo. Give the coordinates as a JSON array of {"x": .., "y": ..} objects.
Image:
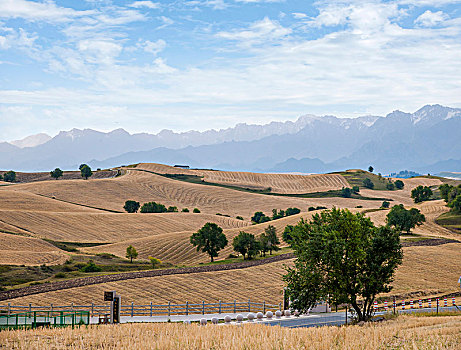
[{"x": 451, "y": 221}]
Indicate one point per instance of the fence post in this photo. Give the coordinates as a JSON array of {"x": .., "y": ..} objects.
[
  {"x": 203, "y": 307},
  {"x": 280, "y": 306},
  {"x": 92, "y": 309},
  {"x": 151, "y": 309},
  {"x": 220, "y": 306},
  {"x": 249, "y": 305},
  {"x": 132, "y": 309},
  {"x": 234, "y": 306},
  {"x": 72, "y": 306},
  {"x": 30, "y": 307},
  {"x": 264, "y": 307},
  {"x": 169, "y": 309},
  {"x": 187, "y": 308},
  {"x": 51, "y": 308}
]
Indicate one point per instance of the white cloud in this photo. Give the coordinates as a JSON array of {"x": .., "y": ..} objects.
[
  {"x": 99, "y": 51},
  {"x": 166, "y": 22},
  {"x": 431, "y": 19},
  {"x": 153, "y": 47},
  {"x": 259, "y": 31},
  {"x": 38, "y": 11},
  {"x": 148, "y": 4},
  {"x": 299, "y": 15}
]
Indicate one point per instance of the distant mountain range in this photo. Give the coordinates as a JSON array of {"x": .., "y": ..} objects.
[{"x": 425, "y": 141}]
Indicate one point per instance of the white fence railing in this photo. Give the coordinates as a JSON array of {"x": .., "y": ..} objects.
[{"x": 151, "y": 309}]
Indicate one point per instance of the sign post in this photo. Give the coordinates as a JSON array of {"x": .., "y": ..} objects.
[{"x": 115, "y": 305}]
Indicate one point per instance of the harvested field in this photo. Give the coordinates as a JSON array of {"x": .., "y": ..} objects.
[
  {"x": 19, "y": 250},
  {"x": 108, "y": 228},
  {"x": 145, "y": 187},
  {"x": 260, "y": 282},
  {"x": 67, "y": 175},
  {"x": 406, "y": 332},
  {"x": 175, "y": 247},
  {"x": 278, "y": 183},
  {"x": 12, "y": 199}
]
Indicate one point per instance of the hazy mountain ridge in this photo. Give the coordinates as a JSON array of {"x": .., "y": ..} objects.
[{"x": 430, "y": 136}]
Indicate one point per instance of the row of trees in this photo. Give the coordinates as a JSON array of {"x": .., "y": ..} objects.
[
  {"x": 210, "y": 239},
  {"x": 452, "y": 196},
  {"x": 259, "y": 217},
  {"x": 153, "y": 207},
  {"x": 85, "y": 172},
  {"x": 9, "y": 176}
]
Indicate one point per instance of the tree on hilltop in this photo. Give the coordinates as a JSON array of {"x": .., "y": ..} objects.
[
  {"x": 56, "y": 173},
  {"x": 85, "y": 171},
  {"x": 9, "y": 176},
  {"x": 370, "y": 169},
  {"x": 209, "y": 239}
]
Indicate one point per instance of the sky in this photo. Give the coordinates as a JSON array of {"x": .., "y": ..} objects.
[{"x": 198, "y": 64}]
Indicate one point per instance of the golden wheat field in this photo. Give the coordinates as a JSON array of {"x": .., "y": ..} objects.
[
  {"x": 260, "y": 283},
  {"x": 145, "y": 187},
  {"x": 279, "y": 183},
  {"x": 405, "y": 332}
]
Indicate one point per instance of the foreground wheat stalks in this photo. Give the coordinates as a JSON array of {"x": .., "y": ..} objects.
[{"x": 407, "y": 332}]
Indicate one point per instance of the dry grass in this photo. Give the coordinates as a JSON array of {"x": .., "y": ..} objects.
[
  {"x": 406, "y": 332},
  {"x": 279, "y": 183},
  {"x": 259, "y": 282},
  {"x": 144, "y": 187},
  {"x": 102, "y": 227},
  {"x": 19, "y": 250}
]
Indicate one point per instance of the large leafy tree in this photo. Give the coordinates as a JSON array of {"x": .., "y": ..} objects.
[
  {"x": 131, "y": 253},
  {"x": 9, "y": 176},
  {"x": 342, "y": 257},
  {"x": 421, "y": 194},
  {"x": 246, "y": 244},
  {"x": 210, "y": 239},
  {"x": 404, "y": 220},
  {"x": 56, "y": 173},
  {"x": 85, "y": 171},
  {"x": 272, "y": 239},
  {"x": 131, "y": 206}
]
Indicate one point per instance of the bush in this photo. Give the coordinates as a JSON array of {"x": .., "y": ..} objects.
[
  {"x": 239, "y": 217},
  {"x": 90, "y": 267},
  {"x": 399, "y": 184},
  {"x": 196, "y": 210},
  {"x": 311, "y": 209},
  {"x": 155, "y": 262},
  {"x": 9, "y": 176},
  {"x": 355, "y": 189},
  {"x": 172, "y": 209},
  {"x": 184, "y": 210},
  {"x": 346, "y": 192},
  {"x": 131, "y": 206},
  {"x": 60, "y": 275},
  {"x": 292, "y": 211},
  {"x": 385, "y": 204},
  {"x": 359, "y": 206},
  {"x": 259, "y": 217},
  {"x": 153, "y": 207},
  {"x": 368, "y": 183},
  {"x": 390, "y": 186}
]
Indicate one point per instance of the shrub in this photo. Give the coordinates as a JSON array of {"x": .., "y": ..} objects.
[
  {"x": 9, "y": 176},
  {"x": 131, "y": 206},
  {"x": 359, "y": 206},
  {"x": 184, "y": 210},
  {"x": 368, "y": 183},
  {"x": 399, "y": 184},
  {"x": 239, "y": 217},
  {"x": 385, "y": 204},
  {"x": 153, "y": 207},
  {"x": 60, "y": 275},
  {"x": 90, "y": 267},
  {"x": 259, "y": 217},
  {"x": 172, "y": 209},
  {"x": 355, "y": 189},
  {"x": 155, "y": 262},
  {"x": 311, "y": 209},
  {"x": 320, "y": 208},
  {"x": 390, "y": 186},
  {"x": 196, "y": 210},
  {"x": 346, "y": 192},
  {"x": 292, "y": 211}
]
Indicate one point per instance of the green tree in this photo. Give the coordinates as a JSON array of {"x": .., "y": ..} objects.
[
  {"x": 444, "y": 191},
  {"x": 9, "y": 176},
  {"x": 264, "y": 243},
  {"x": 184, "y": 210},
  {"x": 155, "y": 262},
  {"x": 455, "y": 204},
  {"x": 131, "y": 206},
  {"x": 390, "y": 186},
  {"x": 292, "y": 211},
  {"x": 259, "y": 217},
  {"x": 277, "y": 214},
  {"x": 85, "y": 171},
  {"x": 385, "y": 204},
  {"x": 172, "y": 209},
  {"x": 246, "y": 244},
  {"x": 196, "y": 210},
  {"x": 404, "y": 220},
  {"x": 56, "y": 173},
  {"x": 209, "y": 239},
  {"x": 90, "y": 267},
  {"x": 81, "y": 166},
  {"x": 355, "y": 189},
  {"x": 368, "y": 183},
  {"x": 287, "y": 234},
  {"x": 342, "y": 257},
  {"x": 131, "y": 253},
  {"x": 421, "y": 194},
  {"x": 272, "y": 239},
  {"x": 370, "y": 169},
  {"x": 153, "y": 207},
  {"x": 399, "y": 184},
  {"x": 346, "y": 192}
]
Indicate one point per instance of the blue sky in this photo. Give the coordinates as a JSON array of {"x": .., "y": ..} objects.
[{"x": 199, "y": 64}]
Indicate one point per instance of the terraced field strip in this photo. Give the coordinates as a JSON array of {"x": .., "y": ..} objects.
[
  {"x": 109, "y": 228},
  {"x": 48, "y": 287}
]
